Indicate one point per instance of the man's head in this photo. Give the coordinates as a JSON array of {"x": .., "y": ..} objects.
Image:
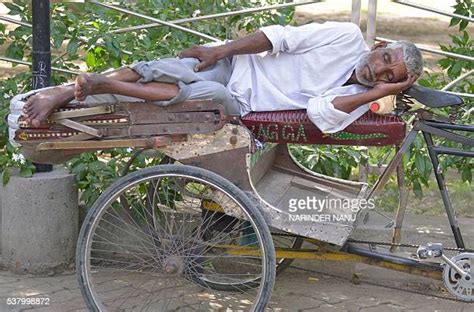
[{"x": 391, "y": 62}]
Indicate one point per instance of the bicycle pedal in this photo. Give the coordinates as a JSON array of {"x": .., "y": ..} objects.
[{"x": 430, "y": 250}]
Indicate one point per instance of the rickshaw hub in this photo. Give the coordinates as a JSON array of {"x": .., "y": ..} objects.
[{"x": 173, "y": 265}]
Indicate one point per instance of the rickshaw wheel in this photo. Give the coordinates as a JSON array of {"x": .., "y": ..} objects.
[{"x": 141, "y": 246}]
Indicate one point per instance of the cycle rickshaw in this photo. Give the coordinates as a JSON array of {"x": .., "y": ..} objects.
[{"x": 210, "y": 228}]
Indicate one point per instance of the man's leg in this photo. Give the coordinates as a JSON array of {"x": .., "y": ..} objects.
[
  {"x": 39, "y": 106},
  {"x": 165, "y": 73},
  {"x": 99, "y": 84}
]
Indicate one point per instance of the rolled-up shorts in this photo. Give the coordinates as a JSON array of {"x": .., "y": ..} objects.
[{"x": 208, "y": 83}]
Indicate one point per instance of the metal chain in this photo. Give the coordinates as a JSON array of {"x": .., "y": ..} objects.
[
  {"x": 405, "y": 245},
  {"x": 355, "y": 241}
]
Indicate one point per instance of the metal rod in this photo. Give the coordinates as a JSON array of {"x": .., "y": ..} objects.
[
  {"x": 10, "y": 60},
  {"x": 383, "y": 179},
  {"x": 459, "y": 127},
  {"x": 455, "y": 81},
  {"x": 197, "y": 33},
  {"x": 470, "y": 95},
  {"x": 426, "y": 49},
  {"x": 454, "y": 137},
  {"x": 452, "y": 151},
  {"x": 412, "y": 266},
  {"x": 402, "y": 204},
  {"x": 430, "y": 9},
  {"x": 355, "y": 15},
  {"x": 371, "y": 22},
  {"x": 454, "y": 266},
  {"x": 14, "y": 21},
  {"x": 57, "y": 58},
  {"x": 217, "y": 15},
  {"x": 444, "y": 191}
]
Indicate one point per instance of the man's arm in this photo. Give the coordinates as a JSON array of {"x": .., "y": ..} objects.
[
  {"x": 251, "y": 44},
  {"x": 350, "y": 102}
]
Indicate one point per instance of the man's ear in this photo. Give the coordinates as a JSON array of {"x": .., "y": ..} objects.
[{"x": 381, "y": 44}]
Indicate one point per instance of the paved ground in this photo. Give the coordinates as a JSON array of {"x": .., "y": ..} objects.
[
  {"x": 306, "y": 286},
  {"x": 295, "y": 290}
]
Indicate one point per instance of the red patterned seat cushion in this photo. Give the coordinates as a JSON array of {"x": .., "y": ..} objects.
[{"x": 294, "y": 126}]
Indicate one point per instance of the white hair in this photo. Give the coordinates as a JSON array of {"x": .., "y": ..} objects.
[{"x": 411, "y": 56}]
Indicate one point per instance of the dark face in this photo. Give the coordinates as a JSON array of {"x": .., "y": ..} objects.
[{"x": 381, "y": 65}]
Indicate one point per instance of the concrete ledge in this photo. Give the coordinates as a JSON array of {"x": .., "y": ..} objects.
[{"x": 39, "y": 222}]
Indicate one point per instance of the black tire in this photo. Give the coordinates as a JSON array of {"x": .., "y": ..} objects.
[{"x": 114, "y": 192}]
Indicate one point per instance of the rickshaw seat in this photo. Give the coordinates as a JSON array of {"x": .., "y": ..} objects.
[{"x": 294, "y": 126}]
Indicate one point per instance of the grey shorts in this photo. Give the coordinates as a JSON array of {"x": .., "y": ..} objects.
[{"x": 207, "y": 84}]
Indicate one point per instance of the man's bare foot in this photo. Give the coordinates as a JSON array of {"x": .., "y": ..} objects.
[
  {"x": 40, "y": 105},
  {"x": 89, "y": 84}
]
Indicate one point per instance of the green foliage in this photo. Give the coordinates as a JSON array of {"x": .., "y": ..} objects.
[
  {"x": 417, "y": 163},
  {"x": 95, "y": 172},
  {"x": 462, "y": 7},
  {"x": 83, "y": 30},
  {"x": 10, "y": 157},
  {"x": 329, "y": 160},
  {"x": 461, "y": 44}
]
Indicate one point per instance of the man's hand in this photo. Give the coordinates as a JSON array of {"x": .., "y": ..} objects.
[
  {"x": 207, "y": 55},
  {"x": 384, "y": 88},
  {"x": 250, "y": 44},
  {"x": 348, "y": 103}
]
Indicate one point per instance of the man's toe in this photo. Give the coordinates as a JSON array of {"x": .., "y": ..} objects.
[{"x": 35, "y": 123}]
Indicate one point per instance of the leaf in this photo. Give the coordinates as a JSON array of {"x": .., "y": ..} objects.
[
  {"x": 454, "y": 21},
  {"x": 463, "y": 24},
  {"x": 457, "y": 40},
  {"x": 466, "y": 174},
  {"x": 72, "y": 46},
  {"x": 417, "y": 189},
  {"x": 58, "y": 40},
  {"x": 424, "y": 82},
  {"x": 14, "y": 52},
  {"x": 6, "y": 176},
  {"x": 90, "y": 59},
  {"x": 14, "y": 9},
  {"x": 465, "y": 37},
  {"x": 420, "y": 164},
  {"x": 445, "y": 63},
  {"x": 455, "y": 70},
  {"x": 443, "y": 48},
  {"x": 428, "y": 166},
  {"x": 26, "y": 172}
]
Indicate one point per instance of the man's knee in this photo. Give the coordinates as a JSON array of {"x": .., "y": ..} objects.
[{"x": 218, "y": 93}]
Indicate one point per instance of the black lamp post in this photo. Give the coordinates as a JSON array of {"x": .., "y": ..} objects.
[{"x": 41, "y": 54}]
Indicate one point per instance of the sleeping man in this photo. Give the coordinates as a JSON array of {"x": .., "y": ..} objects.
[{"x": 326, "y": 69}]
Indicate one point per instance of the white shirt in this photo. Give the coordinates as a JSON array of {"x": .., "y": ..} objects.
[{"x": 305, "y": 70}]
